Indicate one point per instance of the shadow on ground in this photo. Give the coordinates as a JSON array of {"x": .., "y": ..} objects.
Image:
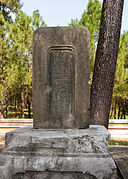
[{"x": 120, "y": 155}]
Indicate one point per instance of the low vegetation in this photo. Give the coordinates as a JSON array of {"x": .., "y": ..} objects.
[{"x": 118, "y": 143}]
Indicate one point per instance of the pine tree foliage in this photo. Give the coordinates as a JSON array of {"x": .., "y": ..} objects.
[
  {"x": 9, "y": 6},
  {"x": 119, "y": 107},
  {"x": 91, "y": 19},
  {"x": 16, "y": 61}
]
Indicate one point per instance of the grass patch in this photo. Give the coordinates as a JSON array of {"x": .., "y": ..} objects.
[{"x": 118, "y": 143}]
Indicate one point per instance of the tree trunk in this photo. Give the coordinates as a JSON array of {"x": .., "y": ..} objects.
[
  {"x": 119, "y": 112},
  {"x": 15, "y": 107},
  {"x": 123, "y": 112},
  {"x": 105, "y": 62},
  {"x": 22, "y": 104},
  {"x": 1, "y": 110},
  {"x": 29, "y": 106},
  {"x": 115, "y": 109},
  {"x": 111, "y": 115},
  {"x": 7, "y": 107},
  {"x": 7, "y": 110}
]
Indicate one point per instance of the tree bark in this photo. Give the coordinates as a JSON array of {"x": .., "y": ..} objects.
[
  {"x": 22, "y": 104},
  {"x": 29, "y": 105},
  {"x": 115, "y": 108},
  {"x": 123, "y": 112},
  {"x": 1, "y": 110},
  {"x": 7, "y": 110},
  {"x": 15, "y": 107},
  {"x": 112, "y": 109},
  {"x": 105, "y": 62},
  {"x": 119, "y": 112}
]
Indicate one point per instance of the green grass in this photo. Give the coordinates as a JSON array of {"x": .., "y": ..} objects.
[{"x": 118, "y": 143}]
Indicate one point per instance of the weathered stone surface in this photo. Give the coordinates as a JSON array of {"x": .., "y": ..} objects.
[
  {"x": 53, "y": 175},
  {"x": 56, "y": 154},
  {"x": 61, "y": 77}
]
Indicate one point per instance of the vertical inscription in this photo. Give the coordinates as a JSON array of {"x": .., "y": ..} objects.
[{"x": 61, "y": 82}]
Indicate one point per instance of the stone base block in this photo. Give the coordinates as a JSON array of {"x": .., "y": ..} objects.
[{"x": 57, "y": 154}]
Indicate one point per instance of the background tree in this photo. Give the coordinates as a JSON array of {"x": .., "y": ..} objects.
[
  {"x": 3, "y": 57},
  {"x": 9, "y": 6},
  {"x": 105, "y": 62},
  {"x": 6, "y": 8},
  {"x": 16, "y": 70},
  {"x": 119, "y": 107},
  {"x": 91, "y": 19}
]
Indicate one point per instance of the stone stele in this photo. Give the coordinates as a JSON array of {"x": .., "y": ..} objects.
[
  {"x": 61, "y": 69},
  {"x": 56, "y": 148}
]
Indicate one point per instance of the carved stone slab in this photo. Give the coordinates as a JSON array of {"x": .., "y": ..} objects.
[{"x": 61, "y": 77}]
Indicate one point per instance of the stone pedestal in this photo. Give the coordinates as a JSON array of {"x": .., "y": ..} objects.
[{"x": 57, "y": 154}]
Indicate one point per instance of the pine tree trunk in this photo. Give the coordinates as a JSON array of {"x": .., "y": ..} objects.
[
  {"x": 7, "y": 107},
  {"x": 22, "y": 105},
  {"x": 29, "y": 106},
  {"x": 7, "y": 110},
  {"x": 119, "y": 112},
  {"x": 115, "y": 109},
  {"x": 15, "y": 107},
  {"x": 18, "y": 107},
  {"x": 111, "y": 115},
  {"x": 124, "y": 112},
  {"x": 1, "y": 110},
  {"x": 105, "y": 62}
]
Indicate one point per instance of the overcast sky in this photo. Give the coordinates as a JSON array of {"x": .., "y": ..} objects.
[{"x": 60, "y": 12}]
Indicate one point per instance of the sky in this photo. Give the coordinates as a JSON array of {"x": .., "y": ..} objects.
[{"x": 60, "y": 12}]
